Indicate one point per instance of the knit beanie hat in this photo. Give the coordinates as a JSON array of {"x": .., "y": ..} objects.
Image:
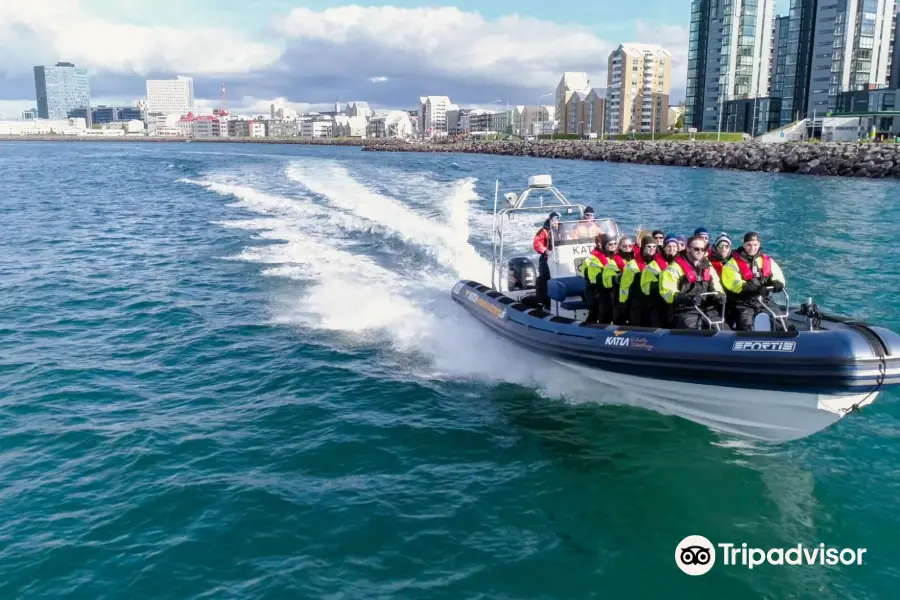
[{"x": 723, "y": 237}]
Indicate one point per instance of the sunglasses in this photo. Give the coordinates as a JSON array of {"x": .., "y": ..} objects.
[{"x": 698, "y": 248}]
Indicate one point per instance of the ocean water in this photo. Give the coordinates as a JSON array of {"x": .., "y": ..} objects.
[{"x": 234, "y": 371}]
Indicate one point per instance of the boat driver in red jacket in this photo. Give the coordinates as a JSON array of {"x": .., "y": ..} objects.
[{"x": 543, "y": 245}]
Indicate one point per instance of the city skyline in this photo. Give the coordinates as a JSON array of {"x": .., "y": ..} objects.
[{"x": 307, "y": 56}]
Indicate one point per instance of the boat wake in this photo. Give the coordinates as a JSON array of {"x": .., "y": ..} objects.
[{"x": 375, "y": 268}]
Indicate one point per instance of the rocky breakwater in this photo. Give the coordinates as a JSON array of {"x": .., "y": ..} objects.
[
  {"x": 837, "y": 159},
  {"x": 302, "y": 141}
]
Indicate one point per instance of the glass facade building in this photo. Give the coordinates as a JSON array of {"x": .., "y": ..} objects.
[
  {"x": 851, "y": 47},
  {"x": 798, "y": 60},
  {"x": 60, "y": 89},
  {"x": 729, "y": 57},
  {"x": 779, "y": 58}
]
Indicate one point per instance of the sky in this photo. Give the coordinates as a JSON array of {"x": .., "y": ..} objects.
[{"x": 307, "y": 54}]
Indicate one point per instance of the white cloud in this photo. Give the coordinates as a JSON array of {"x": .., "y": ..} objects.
[
  {"x": 673, "y": 38},
  {"x": 449, "y": 42},
  {"x": 318, "y": 56},
  {"x": 33, "y": 34}
]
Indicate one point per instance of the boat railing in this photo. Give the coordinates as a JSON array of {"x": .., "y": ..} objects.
[{"x": 549, "y": 199}]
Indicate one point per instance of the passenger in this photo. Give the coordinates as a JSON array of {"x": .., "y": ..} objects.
[
  {"x": 587, "y": 227},
  {"x": 682, "y": 243},
  {"x": 641, "y": 234},
  {"x": 719, "y": 255},
  {"x": 746, "y": 276},
  {"x": 598, "y": 298},
  {"x": 612, "y": 275},
  {"x": 702, "y": 232},
  {"x": 663, "y": 259},
  {"x": 683, "y": 284},
  {"x": 543, "y": 245},
  {"x": 660, "y": 236},
  {"x": 720, "y": 252},
  {"x": 631, "y": 291}
]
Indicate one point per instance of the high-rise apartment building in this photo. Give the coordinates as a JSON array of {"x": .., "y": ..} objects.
[
  {"x": 894, "y": 79},
  {"x": 433, "y": 115},
  {"x": 60, "y": 89},
  {"x": 779, "y": 56},
  {"x": 851, "y": 46},
  {"x": 798, "y": 60},
  {"x": 637, "y": 89},
  {"x": 170, "y": 96},
  {"x": 729, "y": 56}
]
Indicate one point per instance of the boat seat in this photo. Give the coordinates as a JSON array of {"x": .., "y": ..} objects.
[{"x": 563, "y": 288}]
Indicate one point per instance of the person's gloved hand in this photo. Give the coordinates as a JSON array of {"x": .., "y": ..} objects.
[
  {"x": 764, "y": 291},
  {"x": 684, "y": 298},
  {"x": 752, "y": 286},
  {"x": 778, "y": 285},
  {"x": 721, "y": 298}
]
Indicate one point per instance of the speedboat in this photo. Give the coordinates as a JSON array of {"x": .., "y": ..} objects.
[{"x": 798, "y": 372}]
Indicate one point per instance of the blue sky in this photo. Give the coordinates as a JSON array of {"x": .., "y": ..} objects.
[
  {"x": 307, "y": 53},
  {"x": 604, "y": 15}
]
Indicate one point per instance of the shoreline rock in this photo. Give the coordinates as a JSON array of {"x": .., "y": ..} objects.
[
  {"x": 843, "y": 159},
  {"x": 840, "y": 159},
  {"x": 234, "y": 140}
]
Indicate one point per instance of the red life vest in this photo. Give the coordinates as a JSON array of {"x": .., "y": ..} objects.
[
  {"x": 620, "y": 262},
  {"x": 747, "y": 272},
  {"x": 661, "y": 261},
  {"x": 717, "y": 265},
  {"x": 639, "y": 261},
  {"x": 598, "y": 253},
  {"x": 689, "y": 271}
]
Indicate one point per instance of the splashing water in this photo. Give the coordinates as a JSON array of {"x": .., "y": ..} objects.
[{"x": 378, "y": 299}]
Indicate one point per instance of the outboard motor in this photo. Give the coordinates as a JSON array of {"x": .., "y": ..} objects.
[{"x": 522, "y": 274}]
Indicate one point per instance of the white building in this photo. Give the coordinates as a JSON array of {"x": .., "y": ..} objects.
[
  {"x": 161, "y": 124},
  {"x": 433, "y": 115},
  {"x": 170, "y": 95},
  {"x": 317, "y": 127},
  {"x": 350, "y": 126},
  {"x": 390, "y": 123},
  {"x": 44, "y": 127},
  {"x": 358, "y": 109},
  {"x": 256, "y": 129}
]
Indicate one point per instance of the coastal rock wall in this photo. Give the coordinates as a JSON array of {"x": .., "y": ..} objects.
[
  {"x": 841, "y": 159},
  {"x": 303, "y": 141}
]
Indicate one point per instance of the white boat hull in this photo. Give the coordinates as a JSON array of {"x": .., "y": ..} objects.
[{"x": 761, "y": 415}]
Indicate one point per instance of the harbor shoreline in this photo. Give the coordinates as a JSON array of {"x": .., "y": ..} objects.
[{"x": 841, "y": 159}]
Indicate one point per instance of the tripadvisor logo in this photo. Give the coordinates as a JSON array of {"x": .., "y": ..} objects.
[{"x": 696, "y": 555}]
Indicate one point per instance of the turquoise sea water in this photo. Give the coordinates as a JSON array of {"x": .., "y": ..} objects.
[{"x": 235, "y": 372}]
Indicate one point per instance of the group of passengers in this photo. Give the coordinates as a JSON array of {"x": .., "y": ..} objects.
[{"x": 666, "y": 280}]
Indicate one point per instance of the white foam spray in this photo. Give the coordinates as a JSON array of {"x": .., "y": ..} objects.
[{"x": 385, "y": 299}]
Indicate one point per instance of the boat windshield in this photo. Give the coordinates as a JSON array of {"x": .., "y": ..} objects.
[{"x": 583, "y": 231}]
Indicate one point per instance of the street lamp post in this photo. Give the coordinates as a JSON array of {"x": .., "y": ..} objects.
[{"x": 541, "y": 113}]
